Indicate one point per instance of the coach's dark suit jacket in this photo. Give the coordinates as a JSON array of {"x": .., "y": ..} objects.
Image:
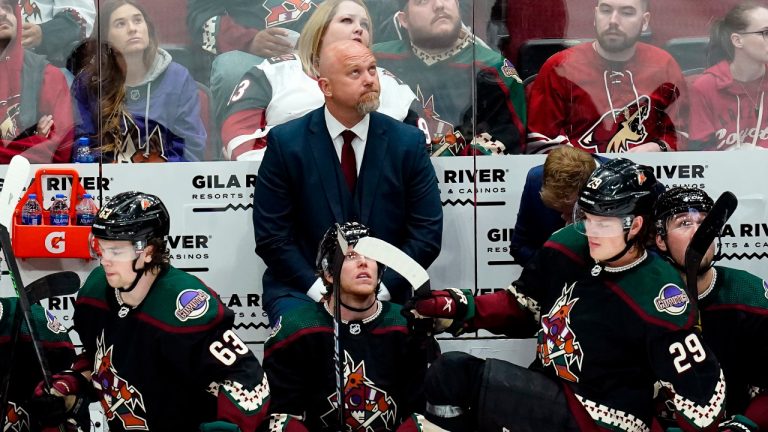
[{"x": 301, "y": 191}]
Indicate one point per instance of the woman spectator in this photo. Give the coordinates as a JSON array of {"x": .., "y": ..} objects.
[
  {"x": 284, "y": 88},
  {"x": 149, "y": 110},
  {"x": 728, "y": 101}
]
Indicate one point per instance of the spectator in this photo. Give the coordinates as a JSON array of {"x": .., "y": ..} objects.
[
  {"x": 733, "y": 305},
  {"x": 438, "y": 60},
  {"x": 549, "y": 193},
  {"x": 149, "y": 110},
  {"x": 54, "y": 28},
  {"x": 280, "y": 89},
  {"x": 242, "y": 34},
  {"x": 385, "y": 181},
  {"x": 728, "y": 99},
  {"x": 35, "y": 110},
  {"x": 611, "y": 95},
  {"x": 384, "y": 366}
]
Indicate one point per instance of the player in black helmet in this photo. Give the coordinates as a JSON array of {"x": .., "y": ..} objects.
[
  {"x": 610, "y": 320},
  {"x": 383, "y": 367},
  {"x": 733, "y": 305},
  {"x": 159, "y": 348}
]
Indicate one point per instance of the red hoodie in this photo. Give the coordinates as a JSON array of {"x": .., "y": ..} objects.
[
  {"x": 18, "y": 136},
  {"x": 727, "y": 114}
]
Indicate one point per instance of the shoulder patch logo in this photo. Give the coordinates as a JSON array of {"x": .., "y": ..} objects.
[
  {"x": 672, "y": 299},
  {"x": 765, "y": 287},
  {"x": 53, "y": 323},
  {"x": 509, "y": 71},
  {"x": 191, "y": 304},
  {"x": 276, "y": 328}
]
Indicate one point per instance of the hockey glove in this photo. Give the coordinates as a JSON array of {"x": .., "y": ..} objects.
[
  {"x": 69, "y": 398},
  {"x": 219, "y": 426},
  {"x": 448, "y": 308},
  {"x": 738, "y": 423}
]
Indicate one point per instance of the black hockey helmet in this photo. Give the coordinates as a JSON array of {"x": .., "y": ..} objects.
[
  {"x": 132, "y": 216},
  {"x": 351, "y": 231},
  {"x": 619, "y": 187},
  {"x": 680, "y": 200}
]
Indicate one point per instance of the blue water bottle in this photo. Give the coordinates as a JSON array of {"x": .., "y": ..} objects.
[
  {"x": 31, "y": 213},
  {"x": 83, "y": 153},
  {"x": 86, "y": 210},
  {"x": 59, "y": 211}
]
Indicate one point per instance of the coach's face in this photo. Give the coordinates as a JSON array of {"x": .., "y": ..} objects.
[
  {"x": 619, "y": 23},
  {"x": 348, "y": 77}
]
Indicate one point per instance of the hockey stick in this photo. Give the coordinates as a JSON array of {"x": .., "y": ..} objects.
[
  {"x": 397, "y": 260},
  {"x": 53, "y": 285},
  {"x": 338, "y": 261},
  {"x": 707, "y": 232}
]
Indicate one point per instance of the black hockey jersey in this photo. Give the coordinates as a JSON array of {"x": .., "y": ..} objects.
[
  {"x": 609, "y": 338},
  {"x": 383, "y": 369},
  {"x": 26, "y": 374},
  {"x": 734, "y": 316},
  {"x": 173, "y": 362}
]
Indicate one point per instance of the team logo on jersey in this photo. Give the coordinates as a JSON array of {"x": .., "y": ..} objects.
[
  {"x": 672, "y": 299},
  {"x": 119, "y": 400},
  {"x": 16, "y": 419},
  {"x": 138, "y": 147},
  {"x": 285, "y": 11},
  {"x": 191, "y": 304},
  {"x": 557, "y": 344},
  {"x": 616, "y": 130},
  {"x": 765, "y": 287},
  {"x": 442, "y": 138},
  {"x": 509, "y": 71},
  {"x": 9, "y": 127},
  {"x": 30, "y": 9},
  {"x": 367, "y": 407},
  {"x": 53, "y": 323}
]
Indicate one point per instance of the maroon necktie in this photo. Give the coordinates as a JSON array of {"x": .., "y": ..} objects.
[{"x": 348, "y": 164}]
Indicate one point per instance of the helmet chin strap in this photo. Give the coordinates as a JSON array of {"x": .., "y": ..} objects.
[
  {"x": 139, "y": 274},
  {"x": 600, "y": 265}
]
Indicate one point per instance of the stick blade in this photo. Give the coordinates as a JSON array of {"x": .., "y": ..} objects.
[
  {"x": 707, "y": 232},
  {"x": 397, "y": 260},
  {"x": 53, "y": 285},
  {"x": 16, "y": 178}
]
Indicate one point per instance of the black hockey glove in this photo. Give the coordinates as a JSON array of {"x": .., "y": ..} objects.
[
  {"x": 448, "y": 309},
  {"x": 738, "y": 423}
]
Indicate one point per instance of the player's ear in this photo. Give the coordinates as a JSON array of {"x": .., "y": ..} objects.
[
  {"x": 660, "y": 244},
  {"x": 148, "y": 251}
]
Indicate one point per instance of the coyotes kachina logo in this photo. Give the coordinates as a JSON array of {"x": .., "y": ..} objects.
[
  {"x": 618, "y": 129},
  {"x": 16, "y": 419},
  {"x": 118, "y": 398},
  {"x": 557, "y": 344},
  {"x": 366, "y": 407},
  {"x": 9, "y": 128},
  {"x": 285, "y": 11}
]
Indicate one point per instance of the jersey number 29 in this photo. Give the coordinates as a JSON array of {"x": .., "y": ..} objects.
[{"x": 692, "y": 348}]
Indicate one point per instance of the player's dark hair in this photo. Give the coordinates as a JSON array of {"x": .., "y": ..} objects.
[
  {"x": 735, "y": 21},
  {"x": 161, "y": 255}
]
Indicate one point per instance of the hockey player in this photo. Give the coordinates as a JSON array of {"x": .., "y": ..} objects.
[
  {"x": 284, "y": 88},
  {"x": 158, "y": 345},
  {"x": 733, "y": 305},
  {"x": 25, "y": 375},
  {"x": 383, "y": 366},
  {"x": 610, "y": 318}
]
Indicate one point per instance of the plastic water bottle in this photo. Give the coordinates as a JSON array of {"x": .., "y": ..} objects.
[
  {"x": 59, "y": 211},
  {"x": 31, "y": 213},
  {"x": 83, "y": 153},
  {"x": 86, "y": 210}
]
